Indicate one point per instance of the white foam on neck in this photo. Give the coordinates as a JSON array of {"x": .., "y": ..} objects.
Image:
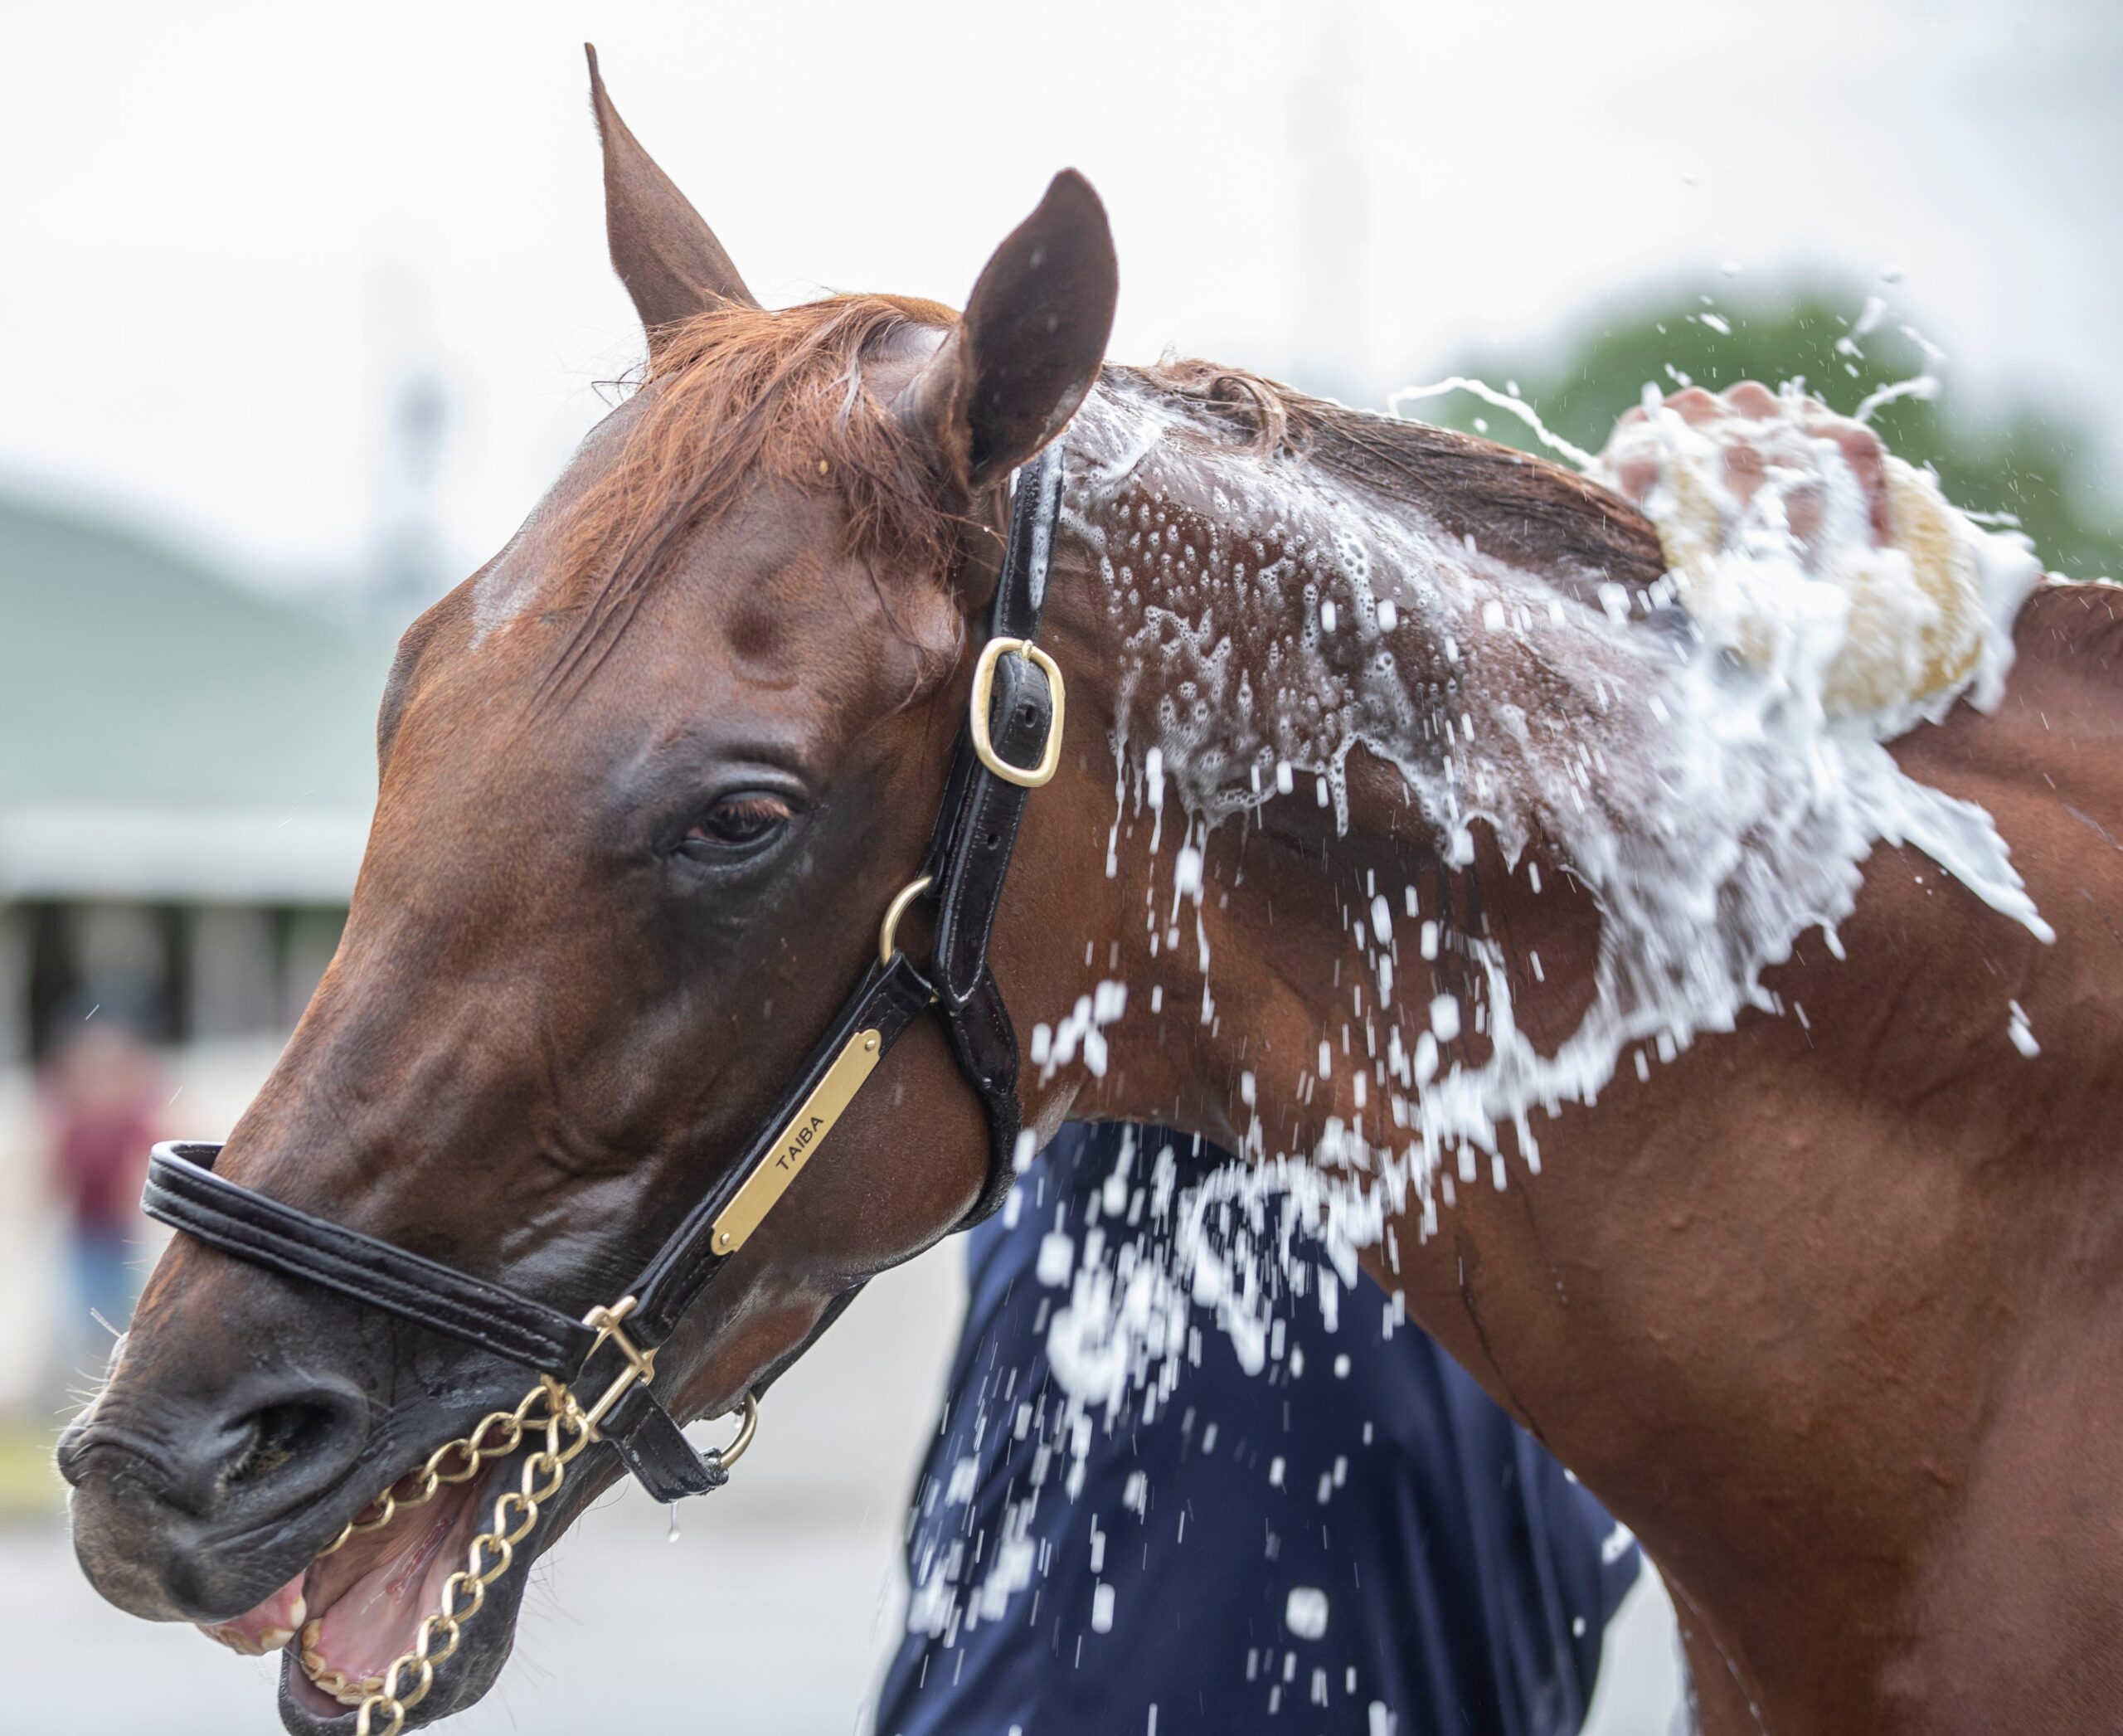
[{"x": 1272, "y": 617}]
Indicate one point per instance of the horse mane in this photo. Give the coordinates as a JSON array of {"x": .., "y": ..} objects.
[
  {"x": 736, "y": 393},
  {"x": 1521, "y": 510},
  {"x": 2077, "y": 623}
]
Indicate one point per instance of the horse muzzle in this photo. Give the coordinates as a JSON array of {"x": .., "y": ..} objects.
[
  {"x": 185, "y": 1503},
  {"x": 242, "y": 1528}
]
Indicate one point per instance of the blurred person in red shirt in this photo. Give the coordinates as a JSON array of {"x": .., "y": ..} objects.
[{"x": 101, "y": 1094}]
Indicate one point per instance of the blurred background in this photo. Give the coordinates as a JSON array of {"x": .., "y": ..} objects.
[{"x": 302, "y": 308}]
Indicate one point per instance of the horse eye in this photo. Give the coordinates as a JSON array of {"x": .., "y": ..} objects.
[{"x": 742, "y": 819}]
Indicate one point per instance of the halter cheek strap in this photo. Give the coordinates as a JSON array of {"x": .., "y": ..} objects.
[{"x": 1008, "y": 746}]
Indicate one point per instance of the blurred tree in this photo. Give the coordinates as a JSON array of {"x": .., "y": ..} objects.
[{"x": 2035, "y": 462}]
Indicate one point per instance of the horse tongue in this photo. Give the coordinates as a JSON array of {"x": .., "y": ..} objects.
[
  {"x": 267, "y": 1627},
  {"x": 373, "y": 1606}
]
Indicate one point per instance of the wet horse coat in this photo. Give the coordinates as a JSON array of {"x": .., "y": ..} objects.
[{"x": 1822, "y": 1305}]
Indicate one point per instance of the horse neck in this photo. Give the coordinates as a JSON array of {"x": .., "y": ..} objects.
[
  {"x": 1335, "y": 737},
  {"x": 1213, "y": 944}
]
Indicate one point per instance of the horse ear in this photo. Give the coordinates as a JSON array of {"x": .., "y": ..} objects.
[
  {"x": 1014, "y": 369},
  {"x": 669, "y": 259}
]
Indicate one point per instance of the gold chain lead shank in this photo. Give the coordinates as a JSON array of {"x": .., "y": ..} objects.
[{"x": 568, "y": 1429}]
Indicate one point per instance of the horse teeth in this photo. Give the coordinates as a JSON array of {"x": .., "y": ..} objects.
[
  {"x": 274, "y": 1638},
  {"x": 352, "y": 1694},
  {"x": 310, "y": 1631},
  {"x": 333, "y": 1682}
]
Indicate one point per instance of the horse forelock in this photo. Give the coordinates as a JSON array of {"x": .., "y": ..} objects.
[{"x": 736, "y": 396}]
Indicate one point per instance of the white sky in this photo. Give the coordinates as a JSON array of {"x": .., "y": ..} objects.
[{"x": 224, "y": 229}]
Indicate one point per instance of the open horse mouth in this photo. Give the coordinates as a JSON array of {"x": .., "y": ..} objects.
[{"x": 357, "y": 1607}]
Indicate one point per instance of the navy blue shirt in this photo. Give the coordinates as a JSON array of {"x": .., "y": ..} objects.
[{"x": 1353, "y": 1541}]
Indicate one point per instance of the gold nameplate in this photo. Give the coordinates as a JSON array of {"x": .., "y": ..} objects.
[{"x": 798, "y": 1141}]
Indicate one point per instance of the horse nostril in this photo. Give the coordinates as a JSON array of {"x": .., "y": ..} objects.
[
  {"x": 277, "y": 1434},
  {"x": 164, "y": 1464}
]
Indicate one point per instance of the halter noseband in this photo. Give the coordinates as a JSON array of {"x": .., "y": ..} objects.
[{"x": 1015, "y": 717}]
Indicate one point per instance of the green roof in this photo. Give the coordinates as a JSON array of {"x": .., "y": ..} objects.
[{"x": 147, "y": 703}]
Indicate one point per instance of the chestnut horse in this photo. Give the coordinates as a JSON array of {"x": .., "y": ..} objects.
[{"x": 1823, "y": 1302}]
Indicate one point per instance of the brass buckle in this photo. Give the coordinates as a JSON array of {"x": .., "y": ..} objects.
[
  {"x": 641, "y": 1364},
  {"x": 984, "y": 688}
]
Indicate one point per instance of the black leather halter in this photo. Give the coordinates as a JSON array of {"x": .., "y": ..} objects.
[{"x": 1008, "y": 745}]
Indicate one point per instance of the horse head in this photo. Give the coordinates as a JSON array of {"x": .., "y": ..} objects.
[{"x": 647, "y": 781}]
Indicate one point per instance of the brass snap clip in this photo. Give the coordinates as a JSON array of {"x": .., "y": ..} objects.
[{"x": 641, "y": 1364}]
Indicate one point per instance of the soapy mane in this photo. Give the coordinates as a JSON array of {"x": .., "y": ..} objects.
[
  {"x": 1533, "y": 514},
  {"x": 737, "y": 394}
]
